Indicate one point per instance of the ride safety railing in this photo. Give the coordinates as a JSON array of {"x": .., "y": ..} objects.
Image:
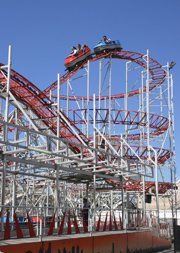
[{"x": 40, "y": 222}]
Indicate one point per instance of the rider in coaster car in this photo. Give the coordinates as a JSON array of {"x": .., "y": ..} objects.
[
  {"x": 81, "y": 47},
  {"x": 74, "y": 51},
  {"x": 105, "y": 39}
]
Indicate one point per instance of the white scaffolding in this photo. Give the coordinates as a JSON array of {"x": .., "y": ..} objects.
[{"x": 123, "y": 137}]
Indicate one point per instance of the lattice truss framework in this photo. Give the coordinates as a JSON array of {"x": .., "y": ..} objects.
[{"x": 53, "y": 139}]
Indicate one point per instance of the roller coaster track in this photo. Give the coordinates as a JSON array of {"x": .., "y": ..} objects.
[
  {"x": 156, "y": 71},
  {"x": 35, "y": 99},
  {"x": 136, "y": 118},
  {"x": 159, "y": 123},
  {"x": 137, "y": 186},
  {"x": 28, "y": 94},
  {"x": 142, "y": 151}
]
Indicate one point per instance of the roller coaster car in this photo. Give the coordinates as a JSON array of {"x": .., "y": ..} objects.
[
  {"x": 72, "y": 61},
  {"x": 102, "y": 46}
]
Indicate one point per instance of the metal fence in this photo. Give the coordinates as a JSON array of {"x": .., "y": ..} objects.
[{"x": 42, "y": 221}]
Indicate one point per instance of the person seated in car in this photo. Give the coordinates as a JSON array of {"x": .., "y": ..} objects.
[
  {"x": 84, "y": 47},
  {"x": 106, "y": 40},
  {"x": 79, "y": 47},
  {"x": 74, "y": 51}
]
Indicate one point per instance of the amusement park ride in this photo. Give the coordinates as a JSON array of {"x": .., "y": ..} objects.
[{"x": 105, "y": 126}]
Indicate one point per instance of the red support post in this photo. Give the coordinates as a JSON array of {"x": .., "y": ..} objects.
[
  {"x": 98, "y": 224},
  {"x": 30, "y": 226},
  {"x": 105, "y": 223},
  {"x": 121, "y": 224},
  {"x": 51, "y": 227},
  {"x": 76, "y": 225},
  {"x": 19, "y": 232},
  {"x": 115, "y": 223},
  {"x": 69, "y": 231},
  {"x": 7, "y": 227},
  {"x": 61, "y": 227},
  {"x": 110, "y": 222}
]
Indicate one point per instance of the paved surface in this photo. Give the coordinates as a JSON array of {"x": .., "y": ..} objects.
[{"x": 168, "y": 251}]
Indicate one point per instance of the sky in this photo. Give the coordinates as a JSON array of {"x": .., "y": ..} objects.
[{"x": 42, "y": 33}]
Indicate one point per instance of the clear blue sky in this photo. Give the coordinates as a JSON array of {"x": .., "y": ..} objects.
[{"x": 42, "y": 32}]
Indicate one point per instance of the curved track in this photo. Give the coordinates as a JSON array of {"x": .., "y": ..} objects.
[
  {"x": 38, "y": 101},
  {"x": 158, "y": 123},
  {"x": 157, "y": 73},
  {"x": 35, "y": 99},
  {"x": 137, "y": 186}
]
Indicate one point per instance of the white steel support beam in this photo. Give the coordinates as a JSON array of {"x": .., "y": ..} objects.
[
  {"x": 3, "y": 182},
  {"x": 126, "y": 97},
  {"x": 57, "y": 200},
  {"x": 170, "y": 130},
  {"x": 95, "y": 161},
  {"x": 67, "y": 95},
  {"x": 100, "y": 89},
  {"x": 147, "y": 103},
  {"x": 156, "y": 181},
  {"x": 110, "y": 93},
  {"x": 88, "y": 95}
]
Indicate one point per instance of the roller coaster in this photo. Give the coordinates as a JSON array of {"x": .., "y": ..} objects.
[{"x": 55, "y": 140}]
